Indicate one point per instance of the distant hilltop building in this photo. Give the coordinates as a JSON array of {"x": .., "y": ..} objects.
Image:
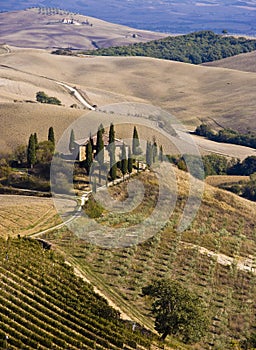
[{"x": 70, "y": 21}]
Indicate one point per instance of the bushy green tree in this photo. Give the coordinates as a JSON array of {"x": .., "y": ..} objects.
[
  {"x": 43, "y": 98},
  {"x": 178, "y": 311}
]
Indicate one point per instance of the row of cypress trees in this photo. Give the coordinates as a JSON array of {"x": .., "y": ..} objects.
[{"x": 127, "y": 160}]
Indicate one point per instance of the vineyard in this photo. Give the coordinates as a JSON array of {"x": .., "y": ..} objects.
[
  {"x": 224, "y": 225},
  {"x": 45, "y": 306}
]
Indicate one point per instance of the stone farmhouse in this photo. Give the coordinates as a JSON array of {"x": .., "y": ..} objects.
[{"x": 80, "y": 148}]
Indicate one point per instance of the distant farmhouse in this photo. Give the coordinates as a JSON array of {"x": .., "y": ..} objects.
[
  {"x": 75, "y": 22},
  {"x": 70, "y": 21},
  {"x": 80, "y": 147}
]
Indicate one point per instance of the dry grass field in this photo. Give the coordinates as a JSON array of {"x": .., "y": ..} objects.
[
  {"x": 217, "y": 180},
  {"x": 29, "y": 28},
  {"x": 244, "y": 62},
  {"x": 192, "y": 93},
  {"x": 26, "y": 215}
]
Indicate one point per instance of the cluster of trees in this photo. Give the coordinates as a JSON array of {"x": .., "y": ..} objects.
[
  {"x": 196, "y": 48},
  {"x": 220, "y": 165},
  {"x": 227, "y": 136},
  {"x": 127, "y": 158},
  {"x": 40, "y": 152},
  {"x": 216, "y": 165},
  {"x": 43, "y": 98}
]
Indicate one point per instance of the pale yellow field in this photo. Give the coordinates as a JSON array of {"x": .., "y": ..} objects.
[
  {"x": 244, "y": 62},
  {"x": 192, "y": 93},
  {"x": 29, "y": 28},
  {"x": 26, "y": 215},
  {"x": 216, "y": 180}
]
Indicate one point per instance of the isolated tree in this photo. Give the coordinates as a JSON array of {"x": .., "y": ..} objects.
[
  {"x": 112, "y": 152},
  {"x": 161, "y": 154},
  {"x": 51, "y": 136},
  {"x": 31, "y": 151},
  {"x": 124, "y": 163},
  {"x": 149, "y": 154},
  {"x": 89, "y": 157},
  {"x": 178, "y": 311},
  {"x": 71, "y": 145},
  {"x": 130, "y": 161},
  {"x": 135, "y": 142}
]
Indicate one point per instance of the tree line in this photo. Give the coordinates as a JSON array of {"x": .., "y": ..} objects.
[
  {"x": 227, "y": 136},
  {"x": 195, "y": 48}
]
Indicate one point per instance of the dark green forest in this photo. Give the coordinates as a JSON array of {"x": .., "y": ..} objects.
[{"x": 196, "y": 48}]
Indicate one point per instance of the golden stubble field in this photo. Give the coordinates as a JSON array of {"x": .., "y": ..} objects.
[
  {"x": 244, "y": 62},
  {"x": 191, "y": 93},
  {"x": 26, "y": 215}
]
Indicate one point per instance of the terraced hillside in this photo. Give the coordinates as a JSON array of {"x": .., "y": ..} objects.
[
  {"x": 43, "y": 305},
  {"x": 215, "y": 257}
]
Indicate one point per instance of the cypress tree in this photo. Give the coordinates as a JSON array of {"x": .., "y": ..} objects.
[
  {"x": 89, "y": 157},
  {"x": 135, "y": 142},
  {"x": 31, "y": 151},
  {"x": 102, "y": 128},
  {"x": 112, "y": 152},
  {"x": 124, "y": 163},
  {"x": 111, "y": 135},
  {"x": 149, "y": 154},
  {"x": 100, "y": 150},
  {"x": 91, "y": 140},
  {"x": 51, "y": 135},
  {"x": 36, "y": 141},
  {"x": 130, "y": 161},
  {"x": 100, "y": 147},
  {"x": 154, "y": 151},
  {"x": 161, "y": 155},
  {"x": 71, "y": 145}
]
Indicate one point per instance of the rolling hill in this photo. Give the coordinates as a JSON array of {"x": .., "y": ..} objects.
[
  {"x": 44, "y": 29},
  {"x": 45, "y": 306},
  {"x": 244, "y": 62},
  {"x": 191, "y": 93},
  {"x": 215, "y": 257},
  {"x": 175, "y": 16}
]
